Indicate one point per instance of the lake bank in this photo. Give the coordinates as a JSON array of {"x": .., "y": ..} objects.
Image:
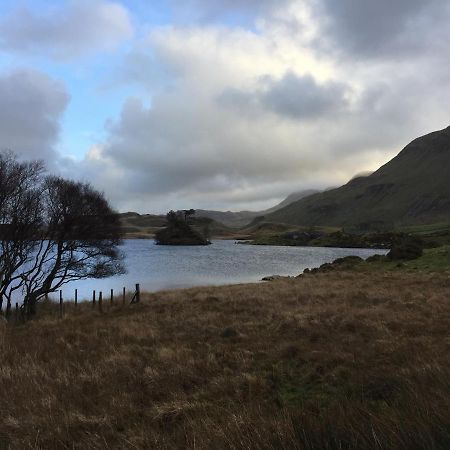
[
  {"x": 352, "y": 358},
  {"x": 157, "y": 267}
]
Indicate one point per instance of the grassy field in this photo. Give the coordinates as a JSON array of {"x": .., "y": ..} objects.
[
  {"x": 436, "y": 234},
  {"x": 434, "y": 260},
  {"x": 340, "y": 360}
]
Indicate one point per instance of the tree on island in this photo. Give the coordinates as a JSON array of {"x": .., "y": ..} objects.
[
  {"x": 188, "y": 213},
  {"x": 179, "y": 231},
  {"x": 52, "y": 231}
]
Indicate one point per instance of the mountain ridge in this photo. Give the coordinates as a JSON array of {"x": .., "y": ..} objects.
[{"x": 412, "y": 188}]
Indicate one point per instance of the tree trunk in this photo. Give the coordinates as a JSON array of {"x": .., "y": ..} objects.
[
  {"x": 8, "y": 308},
  {"x": 29, "y": 305}
]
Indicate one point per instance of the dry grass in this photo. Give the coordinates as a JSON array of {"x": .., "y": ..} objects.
[{"x": 332, "y": 361}]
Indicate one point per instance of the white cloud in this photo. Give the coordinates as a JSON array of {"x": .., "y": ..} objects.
[
  {"x": 78, "y": 28},
  {"x": 246, "y": 117}
]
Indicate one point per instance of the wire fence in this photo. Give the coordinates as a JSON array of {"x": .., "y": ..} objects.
[{"x": 98, "y": 302}]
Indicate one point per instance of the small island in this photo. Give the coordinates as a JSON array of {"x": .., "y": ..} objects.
[{"x": 179, "y": 231}]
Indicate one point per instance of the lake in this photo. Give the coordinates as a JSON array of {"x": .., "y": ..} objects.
[{"x": 158, "y": 267}]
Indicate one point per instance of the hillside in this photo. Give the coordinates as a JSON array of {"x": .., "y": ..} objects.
[
  {"x": 413, "y": 188},
  {"x": 243, "y": 218},
  {"x": 137, "y": 226}
]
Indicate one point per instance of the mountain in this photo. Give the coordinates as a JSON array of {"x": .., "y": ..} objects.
[
  {"x": 413, "y": 188},
  {"x": 242, "y": 218}
]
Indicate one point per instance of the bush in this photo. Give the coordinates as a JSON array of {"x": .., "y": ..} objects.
[{"x": 406, "y": 247}]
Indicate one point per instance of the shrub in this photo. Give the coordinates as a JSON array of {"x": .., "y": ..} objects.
[{"x": 406, "y": 247}]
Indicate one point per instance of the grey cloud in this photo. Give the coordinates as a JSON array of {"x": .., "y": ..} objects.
[
  {"x": 32, "y": 105},
  {"x": 297, "y": 97},
  {"x": 393, "y": 28},
  {"x": 77, "y": 28},
  {"x": 303, "y": 97}
]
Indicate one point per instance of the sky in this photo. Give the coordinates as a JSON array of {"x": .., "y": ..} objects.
[{"x": 219, "y": 104}]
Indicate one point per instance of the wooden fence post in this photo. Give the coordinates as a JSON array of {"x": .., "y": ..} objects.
[
  {"x": 123, "y": 296},
  {"x": 93, "y": 299},
  {"x": 61, "y": 305},
  {"x": 138, "y": 293},
  {"x": 76, "y": 297},
  {"x": 17, "y": 312},
  {"x": 112, "y": 296},
  {"x": 100, "y": 301}
]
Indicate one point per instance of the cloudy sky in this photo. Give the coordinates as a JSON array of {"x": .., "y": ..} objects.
[{"x": 219, "y": 104}]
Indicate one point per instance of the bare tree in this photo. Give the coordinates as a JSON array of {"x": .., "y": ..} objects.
[
  {"x": 20, "y": 217},
  {"x": 74, "y": 235}
]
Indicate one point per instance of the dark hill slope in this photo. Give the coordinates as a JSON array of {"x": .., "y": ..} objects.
[{"x": 412, "y": 188}]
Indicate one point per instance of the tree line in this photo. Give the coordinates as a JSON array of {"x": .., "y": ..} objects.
[{"x": 52, "y": 231}]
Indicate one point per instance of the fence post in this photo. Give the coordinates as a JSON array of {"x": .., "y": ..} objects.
[
  {"x": 100, "y": 301},
  {"x": 76, "y": 297},
  {"x": 61, "y": 305},
  {"x": 138, "y": 293},
  {"x": 17, "y": 312},
  {"x": 123, "y": 296},
  {"x": 112, "y": 296},
  {"x": 93, "y": 299}
]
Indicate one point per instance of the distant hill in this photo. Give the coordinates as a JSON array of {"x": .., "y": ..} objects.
[
  {"x": 139, "y": 226},
  {"x": 412, "y": 188},
  {"x": 144, "y": 226},
  {"x": 243, "y": 218}
]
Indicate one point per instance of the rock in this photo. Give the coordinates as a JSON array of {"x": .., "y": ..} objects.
[
  {"x": 348, "y": 260},
  {"x": 273, "y": 278}
]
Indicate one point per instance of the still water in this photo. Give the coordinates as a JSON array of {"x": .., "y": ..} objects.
[{"x": 158, "y": 267}]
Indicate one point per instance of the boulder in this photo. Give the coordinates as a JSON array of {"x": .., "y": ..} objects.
[{"x": 273, "y": 278}]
